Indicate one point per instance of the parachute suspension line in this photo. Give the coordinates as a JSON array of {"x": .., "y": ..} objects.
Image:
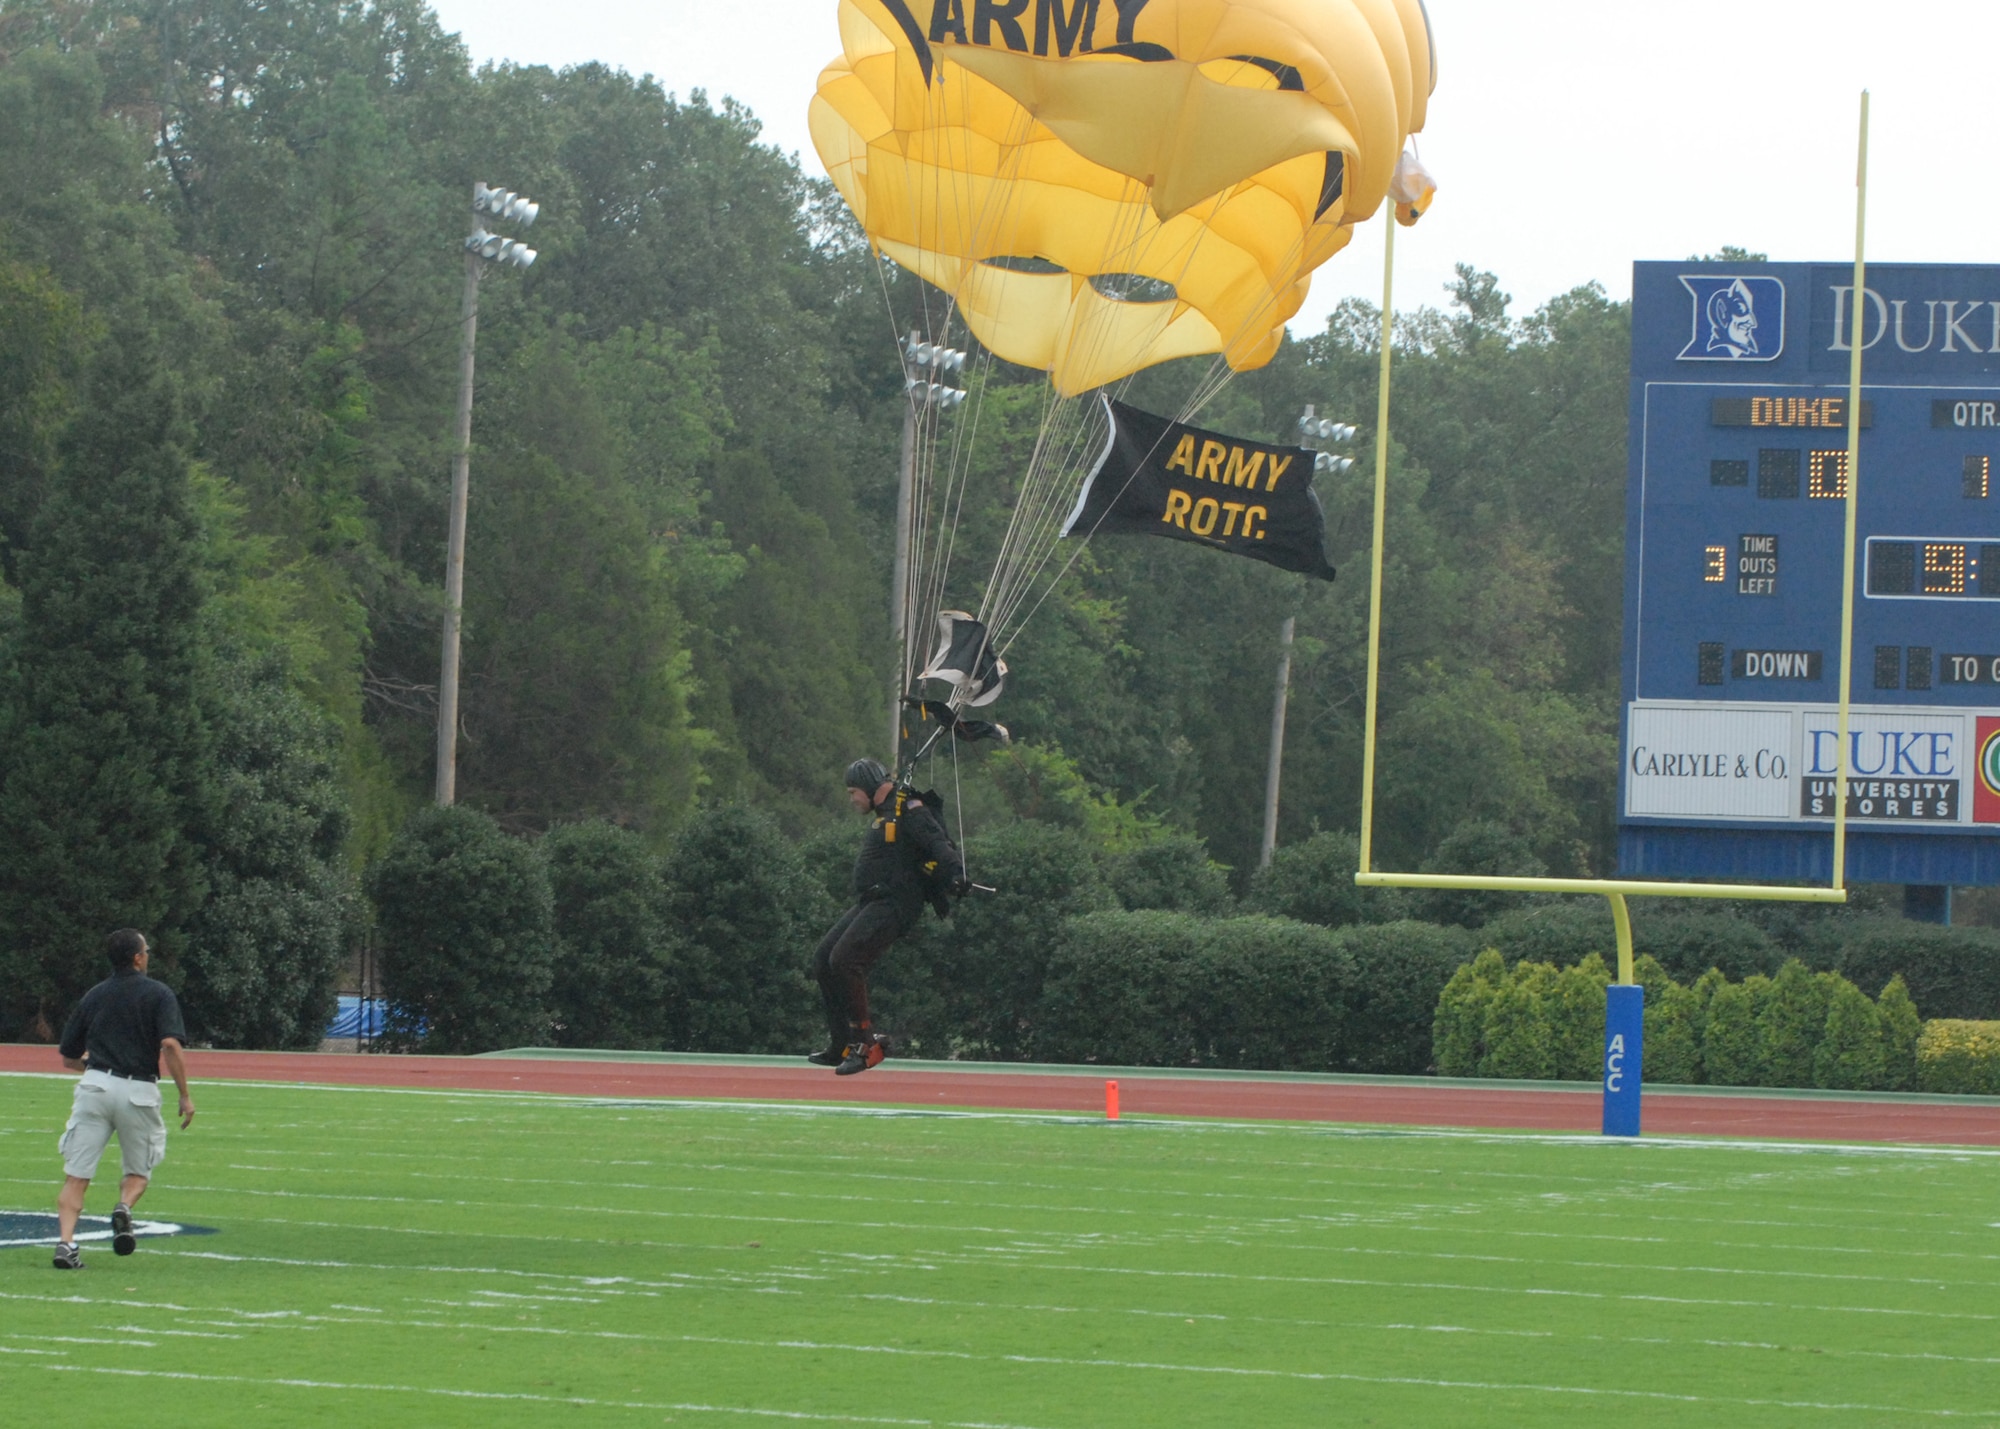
[
  {"x": 1061, "y": 453},
  {"x": 942, "y": 500},
  {"x": 1063, "y": 446},
  {"x": 1213, "y": 382},
  {"x": 1211, "y": 385}
]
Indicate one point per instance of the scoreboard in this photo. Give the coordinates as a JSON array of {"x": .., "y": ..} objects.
[{"x": 1735, "y": 519}]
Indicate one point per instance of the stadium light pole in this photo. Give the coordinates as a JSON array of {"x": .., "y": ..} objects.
[
  {"x": 924, "y": 364},
  {"x": 481, "y": 248},
  {"x": 1312, "y": 431}
]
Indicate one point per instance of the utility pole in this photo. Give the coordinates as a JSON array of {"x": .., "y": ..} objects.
[
  {"x": 1277, "y": 761},
  {"x": 481, "y": 248},
  {"x": 454, "y": 561}
]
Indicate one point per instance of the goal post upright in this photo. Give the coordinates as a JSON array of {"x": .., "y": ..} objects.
[
  {"x": 1846, "y": 756},
  {"x": 1375, "y": 562},
  {"x": 1624, "y": 999}
]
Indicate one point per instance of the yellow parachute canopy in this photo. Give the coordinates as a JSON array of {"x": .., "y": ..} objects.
[{"x": 1106, "y": 184}]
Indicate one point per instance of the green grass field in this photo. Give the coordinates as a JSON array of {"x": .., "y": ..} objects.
[{"x": 452, "y": 1258}]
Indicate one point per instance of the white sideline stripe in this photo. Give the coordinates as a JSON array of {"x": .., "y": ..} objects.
[
  {"x": 1312, "y": 1376},
  {"x": 490, "y": 1394},
  {"x": 1136, "y": 1120}
]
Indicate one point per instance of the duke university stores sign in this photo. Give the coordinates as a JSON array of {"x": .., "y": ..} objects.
[{"x": 1745, "y": 762}]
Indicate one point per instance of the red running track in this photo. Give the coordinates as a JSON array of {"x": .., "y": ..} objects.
[{"x": 1396, "y": 1104}]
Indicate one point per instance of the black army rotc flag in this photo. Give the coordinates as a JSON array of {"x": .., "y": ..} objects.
[{"x": 1160, "y": 478}]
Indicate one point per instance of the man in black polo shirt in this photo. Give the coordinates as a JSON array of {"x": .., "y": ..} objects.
[{"x": 126, "y": 1026}]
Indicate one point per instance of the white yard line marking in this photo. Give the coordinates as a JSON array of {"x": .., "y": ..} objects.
[
  {"x": 564, "y": 1332},
  {"x": 94, "y": 1300},
  {"x": 898, "y": 1267},
  {"x": 77, "y": 1340},
  {"x": 1027, "y": 1235},
  {"x": 1310, "y": 1376},
  {"x": 1454, "y": 1288},
  {"x": 489, "y": 1394},
  {"x": 183, "y": 1334}
]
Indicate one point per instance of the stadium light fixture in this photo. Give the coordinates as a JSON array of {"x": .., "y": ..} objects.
[{"x": 1315, "y": 429}]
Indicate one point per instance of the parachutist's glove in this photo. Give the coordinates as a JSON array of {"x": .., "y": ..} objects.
[{"x": 960, "y": 886}]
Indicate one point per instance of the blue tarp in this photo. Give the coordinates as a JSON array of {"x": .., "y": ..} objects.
[{"x": 349, "y": 1021}]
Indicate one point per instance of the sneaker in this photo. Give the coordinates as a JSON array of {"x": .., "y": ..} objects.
[
  {"x": 831, "y": 1057},
  {"x": 123, "y": 1242},
  {"x": 860, "y": 1057},
  {"x": 68, "y": 1257}
]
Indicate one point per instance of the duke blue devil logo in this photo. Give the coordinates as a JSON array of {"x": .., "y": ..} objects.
[{"x": 1735, "y": 319}]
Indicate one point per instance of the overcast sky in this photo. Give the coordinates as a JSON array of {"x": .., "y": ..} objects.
[{"x": 1569, "y": 137}]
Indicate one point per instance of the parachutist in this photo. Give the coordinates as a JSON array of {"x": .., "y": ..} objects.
[{"x": 906, "y": 861}]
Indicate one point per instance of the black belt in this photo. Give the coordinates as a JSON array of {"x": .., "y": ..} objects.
[{"x": 126, "y": 1076}]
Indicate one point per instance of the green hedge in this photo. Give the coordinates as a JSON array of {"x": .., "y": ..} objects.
[
  {"x": 1798, "y": 1029},
  {"x": 1154, "y": 988},
  {"x": 1954, "y": 1055},
  {"x": 1400, "y": 969},
  {"x": 1950, "y": 972},
  {"x": 1686, "y": 941}
]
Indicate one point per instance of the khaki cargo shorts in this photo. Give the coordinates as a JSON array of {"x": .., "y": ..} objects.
[{"x": 104, "y": 1104}]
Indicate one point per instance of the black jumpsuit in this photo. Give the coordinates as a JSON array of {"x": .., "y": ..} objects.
[{"x": 890, "y": 893}]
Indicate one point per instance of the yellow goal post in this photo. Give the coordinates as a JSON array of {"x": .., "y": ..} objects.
[{"x": 1616, "y": 890}]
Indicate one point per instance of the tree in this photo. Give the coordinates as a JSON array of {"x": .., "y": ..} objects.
[
  {"x": 1577, "y": 1010},
  {"x": 576, "y": 665},
  {"x": 264, "y": 952},
  {"x": 1733, "y": 1048},
  {"x": 1850, "y": 1052},
  {"x": 1477, "y": 846},
  {"x": 101, "y": 756},
  {"x": 464, "y": 917},
  {"x": 1900, "y": 1029},
  {"x": 615, "y": 949},
  {"x": 1173, "y": 873},
  {"x": 1314, "y": 882},
  {"x": 1520, "y": 1034},
  {"x": 1458, "y": 1037},
  {"x": 1673, "y": 1033},
  {"x": 746, "y": 913},
  {"x": 1794, "y": 1021},
  {"x": 990, "y": 962}
]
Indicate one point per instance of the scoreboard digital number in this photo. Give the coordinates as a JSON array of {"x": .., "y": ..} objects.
[{"x": 1736, "y": 506}]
